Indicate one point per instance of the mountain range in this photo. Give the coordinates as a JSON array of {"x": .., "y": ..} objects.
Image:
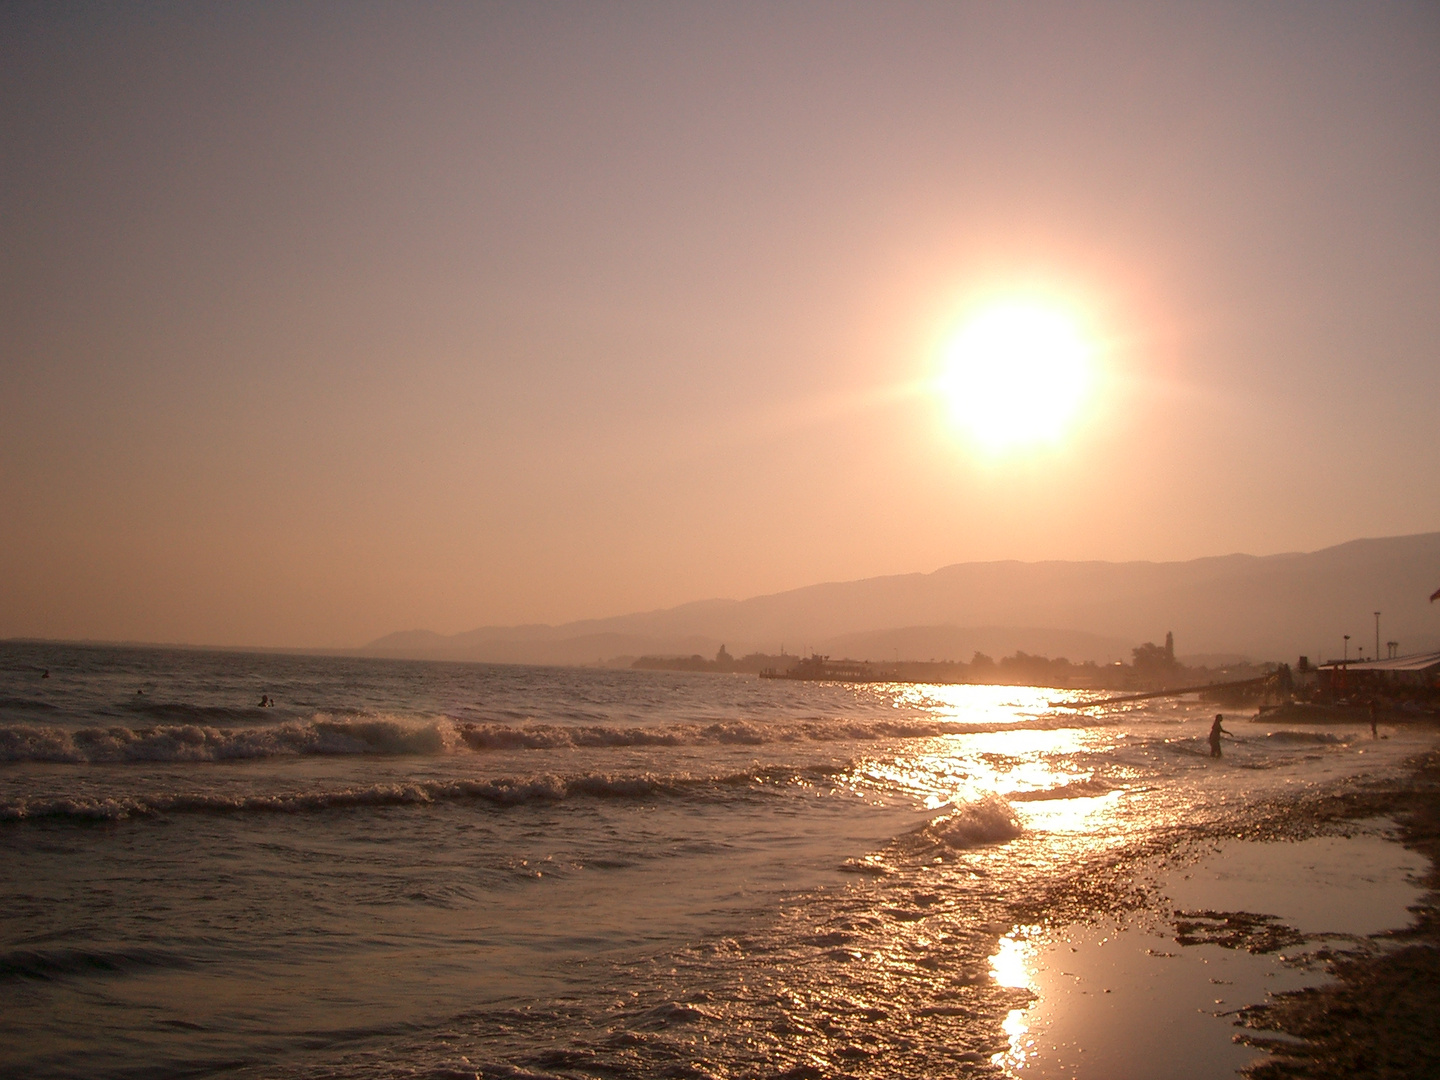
[{"x": 1269, "y": 607}]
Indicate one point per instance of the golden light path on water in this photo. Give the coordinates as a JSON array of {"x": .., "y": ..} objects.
[
  {"x": 1059, "y": 772},
  {"x": 1010, "y": 967},
  {"x": 1011, "y": 814},
  {"x": 1005, "y": 754},
  {"x": 1040, "y": 813}
]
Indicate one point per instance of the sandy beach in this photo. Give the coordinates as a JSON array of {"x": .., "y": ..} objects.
[
  {"x": 1309, "y": 928},
  {"x": 1379, "y": 1018}
]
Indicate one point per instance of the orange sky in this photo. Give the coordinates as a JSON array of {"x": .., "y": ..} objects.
[{"x": 322, "y": 322}]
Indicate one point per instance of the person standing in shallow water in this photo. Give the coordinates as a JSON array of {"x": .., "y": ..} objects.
[{"x": 1215, "y": 732}]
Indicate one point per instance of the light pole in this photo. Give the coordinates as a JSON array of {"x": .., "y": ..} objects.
[
  {"x": 1377, "y": 635},
  {"x": 1347, "y": 648}
]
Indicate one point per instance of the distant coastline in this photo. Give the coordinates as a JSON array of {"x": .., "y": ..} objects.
[
  {"x": 1151, "y": 667},
  {"x": 1229, "y": 611},
  {"x": 1224, "y": 608}
]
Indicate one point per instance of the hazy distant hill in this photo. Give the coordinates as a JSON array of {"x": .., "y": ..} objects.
[{"x": 1266, "y": 607}]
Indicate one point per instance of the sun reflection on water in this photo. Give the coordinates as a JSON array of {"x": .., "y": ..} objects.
[
  {"x": 1022, "y": 814},
  {"x": 1057, "y": 790},
  {"x": 1008, "y": 964},
  {"x": 979, "y": 704},
  {"x": 1010, "y": 968},
  {"x": 1024, "y": 765},
  {"x": 1076, "y": 815},
  {"x": 1021, "y": 1045}
]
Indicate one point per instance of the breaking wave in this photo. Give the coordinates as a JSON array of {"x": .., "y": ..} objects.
[
  {"x": 196, "y": 742},
  {"x": 491, "y": 736},
  {"x": 1076, "y": 789},
  {"x": 734, "y": 732},
  {"x": 502, "y": 792},
  {"x": 1316, "y": 737},
  {"x": 988, "y": 820}
]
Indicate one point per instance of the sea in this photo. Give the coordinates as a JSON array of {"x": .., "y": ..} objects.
[{"x": 413, "y": 869}]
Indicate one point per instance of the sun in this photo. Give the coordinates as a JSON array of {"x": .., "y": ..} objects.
[{"x": 1015, "y": 375}]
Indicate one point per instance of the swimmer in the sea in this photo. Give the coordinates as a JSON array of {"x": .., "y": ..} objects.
[{"x": 1215, "y": 732}]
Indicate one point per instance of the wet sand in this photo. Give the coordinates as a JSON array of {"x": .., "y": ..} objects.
[
  {"x": 1381, "y": 1015},
  {"x": 1156, "y": 993},
  {"x": 1304, "y": 944}
]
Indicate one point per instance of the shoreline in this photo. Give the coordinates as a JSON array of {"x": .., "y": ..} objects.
[
  {"x": 954, "y": 920},
  {"x": 787, "y": 929},
  {"x": 1379, "y": 1017},
  {"x": 1371, "y": 1004}
]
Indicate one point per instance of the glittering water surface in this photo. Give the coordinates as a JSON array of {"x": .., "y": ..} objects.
[{"x": 449, "y": 869}]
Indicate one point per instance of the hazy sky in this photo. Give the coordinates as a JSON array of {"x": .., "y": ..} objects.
[{"x": 321, "y": 321}]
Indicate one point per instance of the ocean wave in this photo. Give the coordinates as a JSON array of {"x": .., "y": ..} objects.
[
  {"x": 493, "y": 736},
  {"x": 1076, "y": 789},
  {"x": 1314, "y": 737},
  {"x": 988, "y": 820},
  {"x": 196, "y": 742},
  {"x": 48, "y": 964},
  {"x": 504, "y": 792},
  {"x": 329, "y": 735},
  {"x": 187, "y": 712},
  {"x": 26, "y": 704}
]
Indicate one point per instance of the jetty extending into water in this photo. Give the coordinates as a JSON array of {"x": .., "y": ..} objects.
[{"x": 817, "y": 668}]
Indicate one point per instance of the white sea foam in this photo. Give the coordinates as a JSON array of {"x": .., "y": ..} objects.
[
  {"x": 196, "y": 742},
  {"x": 503, "y": 791},
  {"x": 494, "y": 736},
  {"x": 328, "y": 735},
  {"x": 987, "y": 820}
]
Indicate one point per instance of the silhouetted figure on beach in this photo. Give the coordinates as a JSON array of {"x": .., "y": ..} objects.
[
  {"x": 45, "y": 674},
  {"x": 1374, "y": 730},
  {"x": 1215, "y": 732},
  {"x": 265, "y": 701}
]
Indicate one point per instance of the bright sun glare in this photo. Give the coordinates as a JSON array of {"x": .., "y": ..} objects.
[{"x": 1015, "y": 375}]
